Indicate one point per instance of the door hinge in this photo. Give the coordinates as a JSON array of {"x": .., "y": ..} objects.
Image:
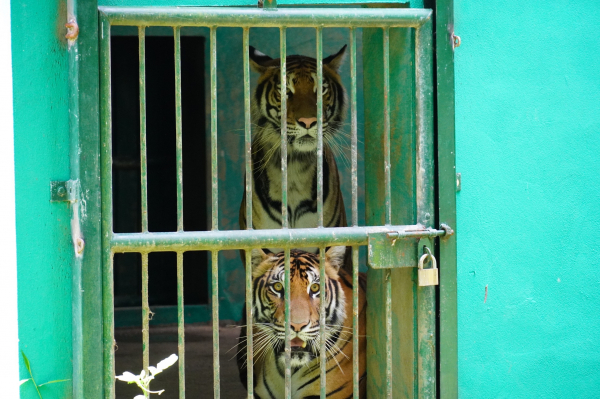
[{"x": 64, "y": 191}]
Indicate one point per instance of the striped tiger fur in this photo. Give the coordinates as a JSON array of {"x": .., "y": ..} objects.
[
  {"x": 269, "y": 330},
  {"x": 302, "y": 144}
]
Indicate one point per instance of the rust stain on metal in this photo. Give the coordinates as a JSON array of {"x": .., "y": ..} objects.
[{"x": 72, "y": 31}]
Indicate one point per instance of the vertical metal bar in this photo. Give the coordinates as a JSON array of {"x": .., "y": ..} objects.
[
  {"x": 386, "y": 125},
  {"x": 388, "y": 204},
  {"x": 213, "y": 128},
  {"x": 215, "y": 324},
  {"x": 178, "y": 133},
  {"x": 107, "y": 219},
  {"x": 248, "y": 142},
  {"x": 322, "y": 320},
  {"x": 355, "y": 266},
  {"x": 426, "y": 307},
  {"x": 288, "y": 347},
  {"x": 215, "y": 208},
  {"x": 353, "y": 127},
  {"x": 143, "y": 152},
  {"x": 323, "y": 295},
  {"x": 180, "y": 326},
  {"x": 145, "y": 316},
  {"x": 355, "y": 315},
  {"x": 284, "y": 138},
  {"x": 144, "y": 200},
  {"x": 446, "y": 169},
  {"x": 319, "y": 40},
  {"x": 74, "y": 158}
]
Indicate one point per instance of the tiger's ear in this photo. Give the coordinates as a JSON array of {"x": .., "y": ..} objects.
[
  {"x": 258, "y": 257},
  {"x": 259, "y": 62},
  {"x": 335, "y": 256},
  {"x": 335, "y": 61}
]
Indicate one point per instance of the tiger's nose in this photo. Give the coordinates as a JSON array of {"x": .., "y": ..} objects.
[
  {"x": 297, "y": 327},
  {"x": 307, "y": 122}
]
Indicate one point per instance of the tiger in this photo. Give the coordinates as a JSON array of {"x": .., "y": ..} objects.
[
  {"x": 302, "y": 144},
  {"x": 305, "y": 293}
]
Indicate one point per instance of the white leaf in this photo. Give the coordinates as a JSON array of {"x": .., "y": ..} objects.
[
  {"x": 153, "y": 370},
  {"x": 163, "y": 364},
  {"x": 140, "y": 397},
  {"x": 128, "y": 377},
  {"x": 142, "y": 374},
  {"x": 23, "y": 381}
]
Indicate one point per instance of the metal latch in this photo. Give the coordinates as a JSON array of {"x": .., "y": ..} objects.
[{"x": 64, "y": 191}]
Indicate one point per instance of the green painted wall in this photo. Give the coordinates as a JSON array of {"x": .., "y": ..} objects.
[
  {"x": 528, "y": 148},
  {"x": 41, "y": 155}
]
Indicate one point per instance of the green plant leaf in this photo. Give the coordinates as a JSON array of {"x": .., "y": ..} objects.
[
  {"x": 26, "y": 361},
  {"x": 23, "y": 381},
  {"x": 52, "y": 382}
]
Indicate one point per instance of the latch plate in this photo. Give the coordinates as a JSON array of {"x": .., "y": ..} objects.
[
  {"x": 387, "y": 251},
  {"x": 64, "y": 191}
]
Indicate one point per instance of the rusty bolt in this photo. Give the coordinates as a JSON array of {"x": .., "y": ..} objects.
[
  {"x": 61, "y": 191},
  {"x": 72, "y": 30},
  {"x": 79, "y": 245},
  {"x": 455, "y": 40}
]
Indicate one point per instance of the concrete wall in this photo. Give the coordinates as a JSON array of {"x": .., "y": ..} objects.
[
  {"x": 528, "y": 148},
  {"x": 40, "y": 79}
]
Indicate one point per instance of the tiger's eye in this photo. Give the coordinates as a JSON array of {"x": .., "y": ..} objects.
[
  {"x": 315, "y": 287},
  {"x": 278, "y": 286}
]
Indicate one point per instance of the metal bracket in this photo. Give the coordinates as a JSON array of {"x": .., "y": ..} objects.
[
  {"x": 387, "y": 250},
  {"x": 268, "y": 5},
  {"x": 391, "y": 249},
  {"x": 64, "y": 191}
]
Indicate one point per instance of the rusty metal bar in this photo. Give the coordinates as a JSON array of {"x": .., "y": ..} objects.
[
  {"x": 215, "y": 324},
  {"x": 355, "y": 265},
  {"x": 248, "y": 160},
  {"x": 353, "y": 127},
  {"x": 178, "y": 131},
  {"x": 322, "y": 323},
  {"x": 386, "y": 126},
  {"x": 213, "y": 129},
  {"x": 145, "y": 315},
  {"x": 319, "y": 41},
  {"x": 239, "y": 17},
  {"x": 388, "y": 205},
  {"x": 425, "y": 154},
  {"x": 180, "y": 326},
  {"x": 284, "y": 134},
  {"x": 288, "y": 333},
  {"x": 143, "y": 152},
  {"x": 241, "y": 239},
  {"x": 355, "y": 315},
  {"x": 107, "y": 210}
]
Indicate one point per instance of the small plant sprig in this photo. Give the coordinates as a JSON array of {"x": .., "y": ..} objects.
[
  {"x": 143, "y": 380},
  {"x": 37, "y": 387}
]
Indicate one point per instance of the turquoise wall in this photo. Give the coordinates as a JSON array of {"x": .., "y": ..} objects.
[
  {"x": 41, "y": 155},
  {"x": 528, "y": 148}
]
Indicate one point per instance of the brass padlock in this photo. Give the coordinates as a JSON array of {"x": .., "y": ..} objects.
[{"x": 428, "y": 277}]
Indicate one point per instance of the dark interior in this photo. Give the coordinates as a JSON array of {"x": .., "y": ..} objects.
[{"x": 161, "y": 169}]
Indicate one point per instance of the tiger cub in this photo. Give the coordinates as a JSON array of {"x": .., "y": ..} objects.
[
  {"x": 302, "y": 144},
  {"x": 305, "y": 296}
]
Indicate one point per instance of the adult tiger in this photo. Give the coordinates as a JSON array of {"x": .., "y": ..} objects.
[
  {"x": 305, "y": 296},
  {"x": 302, "y": 144}
]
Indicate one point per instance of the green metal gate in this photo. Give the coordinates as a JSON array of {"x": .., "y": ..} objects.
[{"x": 392, "y": 246}]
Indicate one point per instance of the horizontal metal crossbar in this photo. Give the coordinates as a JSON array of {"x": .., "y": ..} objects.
[
  {"x": 256, "y": 18},
  {"x": 241, "y": 239}
]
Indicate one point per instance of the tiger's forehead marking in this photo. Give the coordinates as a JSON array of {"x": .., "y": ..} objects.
[{"x": 303, "y": 266}]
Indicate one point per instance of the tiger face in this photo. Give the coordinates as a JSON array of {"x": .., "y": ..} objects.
[
  {"x": 301, "y": 100},
  {"x": 305, "y": 296}
]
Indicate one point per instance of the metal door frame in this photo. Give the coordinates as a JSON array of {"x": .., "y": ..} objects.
[{"x": 85, "y": 145}]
